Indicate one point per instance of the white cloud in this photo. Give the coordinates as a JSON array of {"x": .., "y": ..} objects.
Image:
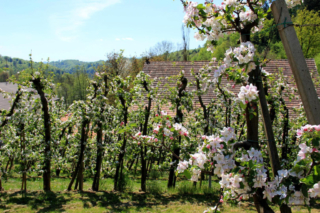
[
  {"x": 118, "y": 39},
  {"x": 67, "y": 23}
]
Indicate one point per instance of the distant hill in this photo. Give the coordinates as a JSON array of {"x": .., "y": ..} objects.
[
  {"x": 71, "y": 66},
  {"x": 11, "y": 66}
]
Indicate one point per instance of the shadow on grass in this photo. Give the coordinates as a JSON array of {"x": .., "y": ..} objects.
[
  {"x": 118, "y": 201},
  {"x": 41, "y": 201}
]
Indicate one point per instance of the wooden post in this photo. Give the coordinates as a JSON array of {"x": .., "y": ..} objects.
[
  {"x": 272, "y": 148},
  {"x": 297, "y": 61}
]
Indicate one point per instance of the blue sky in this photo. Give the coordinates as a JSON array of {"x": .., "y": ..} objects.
[{"x": 87, "y": 29}]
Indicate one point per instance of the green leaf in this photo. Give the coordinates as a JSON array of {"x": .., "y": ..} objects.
[
  {"x": 251, "y": 165},
  {"x": 316, "y": 142},
  {"x": 243, "y": 106},
  {"x": 133, "y": 125},
  {"x": 304, "y": 190},
  {"x": 121, "y": 130},
  {"x": 187, "y": 174},
  {"x": 200, "y": 6},
  {"x": 241, "y": 185},
  {"x": 308, "y": 181},
  {"x": 188, "y": 139},
  {"x": 316, "y": 174}
]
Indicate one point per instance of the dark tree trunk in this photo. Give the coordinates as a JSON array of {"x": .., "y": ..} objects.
[
  {"x": 143, "y": 168},
  {"x": 172, "y": 177},
  {"x": 47, "y": 130},
  {"x": 178, "y": 119},
  {"x": 63, "y": 151},
  {"x": 100, "y": 150},
  {"x": 260, "y": 203},
  {"x": 1, "y": 188},
  {"x": 143, "y": 150},
  {"x": 84, "y": 135},
  {"x": 118, "y": 175},
  {"x": 132, "y": 162},
  {"x": 11, "y": 164},
  {"x": 8, "y": 163}
]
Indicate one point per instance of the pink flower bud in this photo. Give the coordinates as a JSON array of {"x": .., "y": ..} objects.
[
  {"x": 156, "y": 140},
  {"x": 139, "y": 133},
  {"x": 233, "y": 86},
  {"x": 185, "y": 134},
  {"x": 221, "y": 201},
  {"x": 139, "y": 143},
  {"x": 208, "y": 146},
  {"x": 315, "y": 150},
  {"x": 247, "y": 102},
  {"x": 211, "y": 163},
  {"x": 157, "y": 115},
  {"x": 171, "y": 138}
]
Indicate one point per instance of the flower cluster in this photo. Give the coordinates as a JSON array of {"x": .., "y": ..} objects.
[
  {"x": 191, "y": 12},
  {"x": 195, "y": 174},
  {"x": 243, "y": 55},
  {"x": 249, "y": 16},
  {"x": 182, "y": 165},
  {"x": 292, "y": 3},
  {"x": 146, "y": 139},
  {"x": 315, "y": 190},
  {"x": 308, "y": 130},
  {"x": 248, "y": 93}
]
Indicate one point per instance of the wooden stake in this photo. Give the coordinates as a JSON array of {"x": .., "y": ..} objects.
[{"x": 297, "y": 61}]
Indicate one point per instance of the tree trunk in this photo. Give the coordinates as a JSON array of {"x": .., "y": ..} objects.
[
  {"x": 58, "y": 172},
  {"x": 143, "y": 168},
  {"x": 11, "y": 164},
  {"x": 100, "y": 150},
  {"x": 84, "y": 134},
  {"x": 172, "y": 177},
  {"x": 260, "y": 203}
]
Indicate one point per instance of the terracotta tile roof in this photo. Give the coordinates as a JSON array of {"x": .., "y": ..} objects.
[{"x": 163, "y": 69}]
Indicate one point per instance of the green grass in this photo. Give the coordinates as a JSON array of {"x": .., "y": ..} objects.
[{"x": 184, "y": 198}]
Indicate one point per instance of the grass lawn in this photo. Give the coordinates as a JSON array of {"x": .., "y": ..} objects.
[{"x": 184, "y": 198}]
